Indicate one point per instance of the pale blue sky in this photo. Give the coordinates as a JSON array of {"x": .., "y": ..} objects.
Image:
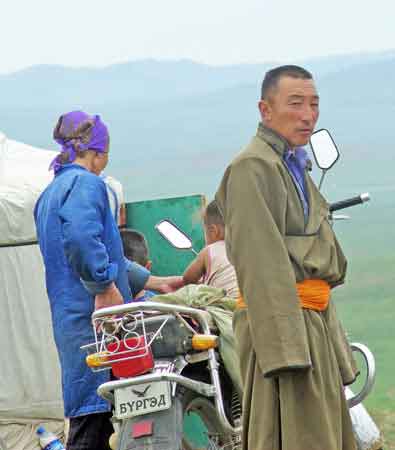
[{"x": 98, "y": 32}]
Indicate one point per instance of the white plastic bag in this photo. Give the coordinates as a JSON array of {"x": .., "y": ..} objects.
[{"x": 366, "y": 433}]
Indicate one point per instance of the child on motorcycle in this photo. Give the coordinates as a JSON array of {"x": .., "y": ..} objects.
[
  {"x": 212, "y": 266},
  {"x": 135, "y": 248}
]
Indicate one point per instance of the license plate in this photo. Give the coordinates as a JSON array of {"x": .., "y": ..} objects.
[{"x": 142, "y": 399}]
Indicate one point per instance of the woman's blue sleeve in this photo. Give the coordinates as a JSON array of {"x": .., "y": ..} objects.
[{"x": 82, "y": 214}]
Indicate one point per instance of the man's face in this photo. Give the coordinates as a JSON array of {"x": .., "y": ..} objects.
[{"x": 291, "y": 109}]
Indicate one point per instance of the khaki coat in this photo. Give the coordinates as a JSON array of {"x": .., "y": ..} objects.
[{"x": 294, "y": 362}]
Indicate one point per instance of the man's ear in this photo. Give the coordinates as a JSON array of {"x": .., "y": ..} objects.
[
  {"x": 148, "y": 266},
  {"x": 265, "y": 109}
]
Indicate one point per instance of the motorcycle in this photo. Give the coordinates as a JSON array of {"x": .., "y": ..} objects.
[
  {"x": 172, "y": 390},
  {"x": 167, "y": 362}
]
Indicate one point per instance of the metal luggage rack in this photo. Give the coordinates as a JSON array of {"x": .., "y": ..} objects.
[
  {"x": 213, "y": 389},
  {"x": 113, "y": 330}
]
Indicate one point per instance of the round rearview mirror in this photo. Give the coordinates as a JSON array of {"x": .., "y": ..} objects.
[
  {"x": 324, "y": 149},
  {"x": 174, "y": 235}
]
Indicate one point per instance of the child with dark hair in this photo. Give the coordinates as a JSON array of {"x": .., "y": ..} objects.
[
  {"x": 135, "y": 248},
  {"x": 212, "y": 266}
]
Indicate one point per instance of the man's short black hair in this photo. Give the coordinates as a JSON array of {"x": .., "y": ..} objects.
[
  {"x": 135, "y": 246},
  {"x": 273, "y": 76},
  {"x": 212, "y": 215}
]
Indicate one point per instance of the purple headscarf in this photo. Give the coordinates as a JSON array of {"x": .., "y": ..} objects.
[{"x": 76, "y": 132}]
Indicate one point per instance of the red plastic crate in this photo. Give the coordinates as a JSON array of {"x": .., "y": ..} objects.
[{"x": 141, "y": 362}]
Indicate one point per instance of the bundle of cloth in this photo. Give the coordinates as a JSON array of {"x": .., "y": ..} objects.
[{"x": 221, "y": 308}]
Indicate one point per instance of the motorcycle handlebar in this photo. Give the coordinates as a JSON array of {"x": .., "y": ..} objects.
[{"x": 358, "y": 200}]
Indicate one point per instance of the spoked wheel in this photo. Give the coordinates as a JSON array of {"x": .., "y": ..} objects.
[{"x": 201, "y": 427}]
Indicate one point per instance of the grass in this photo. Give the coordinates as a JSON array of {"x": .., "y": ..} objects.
[
  {"x": 375, "y": 329},
  {"x": 366, "y": 306},
  {"x": 385, "y": 419}
]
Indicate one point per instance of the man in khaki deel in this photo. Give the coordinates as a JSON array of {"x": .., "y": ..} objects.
[{"x": 294, "y": 356}]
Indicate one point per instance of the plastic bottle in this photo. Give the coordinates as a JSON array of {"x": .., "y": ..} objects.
[{"x": 48, "y": 440}]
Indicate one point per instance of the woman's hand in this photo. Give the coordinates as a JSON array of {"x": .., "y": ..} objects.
[{"x": 110, "y": 297}]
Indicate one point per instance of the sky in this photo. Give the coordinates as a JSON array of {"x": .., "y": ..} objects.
[{"x": 216, "y": 32}]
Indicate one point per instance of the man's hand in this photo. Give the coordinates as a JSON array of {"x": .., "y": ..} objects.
[
  {"x": 110, "y": 297},
  {"x": 164, "y": 284}
]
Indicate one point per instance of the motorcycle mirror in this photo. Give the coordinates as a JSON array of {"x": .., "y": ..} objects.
[
  {"x": 174, "y": 235},
  {"x": 324, "y": 150}
]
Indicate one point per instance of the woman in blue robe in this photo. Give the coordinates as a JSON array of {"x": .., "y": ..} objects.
[{"x": 85, "y": 267}]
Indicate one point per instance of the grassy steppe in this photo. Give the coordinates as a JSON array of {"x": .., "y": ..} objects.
[{"x": 366, "y": 303}]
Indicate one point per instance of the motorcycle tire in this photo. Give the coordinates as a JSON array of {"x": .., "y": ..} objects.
[{"x": 202, "y": 429}]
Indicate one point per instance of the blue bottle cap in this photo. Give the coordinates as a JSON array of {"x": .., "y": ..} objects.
[{"x": 40, "y": 430}]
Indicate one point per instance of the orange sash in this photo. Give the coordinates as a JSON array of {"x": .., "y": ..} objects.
[{"x": 313, "y": 294}]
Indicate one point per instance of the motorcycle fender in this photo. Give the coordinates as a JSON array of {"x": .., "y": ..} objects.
[{"x": 160, "y": 430}]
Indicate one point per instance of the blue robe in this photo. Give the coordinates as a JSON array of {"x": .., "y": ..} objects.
[{"x": 83, "y": 254}]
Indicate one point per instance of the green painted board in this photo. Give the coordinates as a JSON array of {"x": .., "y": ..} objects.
[{"x": 185, "y": 212}]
